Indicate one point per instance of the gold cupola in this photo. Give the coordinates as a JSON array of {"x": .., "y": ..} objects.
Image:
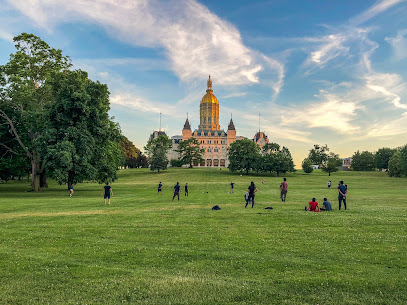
[{"x": 209, "y": 118}]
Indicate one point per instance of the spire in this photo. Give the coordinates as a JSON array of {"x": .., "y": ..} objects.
[
  {"x": 231, "y": 126},
  {"x": 187, "y": 126},
  {"x": 209, "y": 85}
]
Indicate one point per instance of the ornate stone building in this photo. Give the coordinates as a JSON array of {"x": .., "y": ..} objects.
[{"x": 214, "y": 140}]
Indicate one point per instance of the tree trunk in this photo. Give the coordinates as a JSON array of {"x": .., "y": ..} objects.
[
  {"x": 43, "y": 179},
  {"x": 35, "y": 174}
]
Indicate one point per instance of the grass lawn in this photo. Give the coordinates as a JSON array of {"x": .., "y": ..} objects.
[{"x": 146, "y": 249}]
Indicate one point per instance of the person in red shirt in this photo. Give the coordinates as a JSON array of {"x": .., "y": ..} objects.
[
  {"x": 313, "y": 206},
  {"x": 283, "y": 190}
]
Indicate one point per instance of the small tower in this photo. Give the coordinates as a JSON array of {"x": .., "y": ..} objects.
[
  {"x": 231, "y": 133},
  {"x": 186, "y": 131}
]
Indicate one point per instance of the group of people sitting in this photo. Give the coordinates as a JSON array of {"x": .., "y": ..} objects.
[{"x": 313, "y": 205}]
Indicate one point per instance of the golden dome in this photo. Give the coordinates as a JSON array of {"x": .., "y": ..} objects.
[{"x": 209, "y": 98}]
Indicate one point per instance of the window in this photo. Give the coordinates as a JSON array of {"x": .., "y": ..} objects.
[{"x": 216, "y": 150}]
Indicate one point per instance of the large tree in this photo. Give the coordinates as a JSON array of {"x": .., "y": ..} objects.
[
  {"x": 395, "y": 165},
  {"x": 331, "y": 163},
  {"x": 277, "y": 159},
  {"x": 190, "y": 152},
  {"x": 82, "y": 141},
  {"x": 363, "y": 161},
  {"x": 382, "y": 157},
  {"x": 319, "y": 154},
  {"x": 243, "y": 155},
  {"x": 25, "y": 93},
  {"x": 157, "y": 151},
  {"x": 129, "y": 149}
]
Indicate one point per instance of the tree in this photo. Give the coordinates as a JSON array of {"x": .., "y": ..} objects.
[
  {"x": 130, "y": 152},
  {"x": 307, "y": 166},
  {"x": 243, "y": 155},
  {"x": 277, "y": 159},
  {"x": 395, "y": 165},
  {"x": 190, "y": 151},
  {"x": 82, "y": 141},
  {"x": 157, "y": 151},
  {"x": 319, "y": 154},
  {"x": 26, "y": 90},
  {"x": 382, "y": 157},
  {"x": 331, "y": 164},
  {"x": 363, "y": 161}
]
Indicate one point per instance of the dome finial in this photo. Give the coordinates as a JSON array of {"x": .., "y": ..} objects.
[{"x": 209, "y": 83}]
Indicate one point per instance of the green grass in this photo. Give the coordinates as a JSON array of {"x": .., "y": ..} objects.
[{"x": 146, "y": 249}]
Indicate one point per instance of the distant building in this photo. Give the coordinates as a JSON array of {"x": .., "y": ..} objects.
[
  {"x": 214, "y": 140},
  {"x": 346, "y": 163}
]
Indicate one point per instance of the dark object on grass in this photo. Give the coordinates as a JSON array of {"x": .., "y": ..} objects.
[
  {"x": 268, "y": 208},
  {"x": 216, "y": 207},
  {"x": 306, "y": 209}
]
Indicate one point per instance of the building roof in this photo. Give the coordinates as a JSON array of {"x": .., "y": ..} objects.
[
  {"x": 210, "y": 133},
  {"x": 231, "y": 126},
  {"x": 187, "y": 126}
]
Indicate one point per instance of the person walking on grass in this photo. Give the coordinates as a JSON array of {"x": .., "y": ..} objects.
[
  {"x": 232, "y": 186},
  {"x": 252, "y": 190},
  {"x": 329, "y": 184},
  {"x": 246, "y": 197},
  {"x": 186, "y": 189},
  {"x": 283, "y": 192},
  {"x": 176, "y": 191},
  {"x": 71, "y": 190},
  {"x": 107, "y": 190},
  {"x": 342, "y": 192},
  {"x": 160, "y": 188}
]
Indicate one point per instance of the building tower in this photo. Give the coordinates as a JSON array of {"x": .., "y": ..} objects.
[
  {"x": 209, "y": 110},
  {"x": 231, "y": 133},
  {"x": 186, "y": 131}
]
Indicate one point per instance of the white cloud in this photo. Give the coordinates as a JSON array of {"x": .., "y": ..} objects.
[
  {"x": 196, "y": 41},
  {"x": 377, "y": 8},
  {"x": 399, "y": 44},
  {"x": 5, "y": 35},
  {"x": 236, "y": 94}
]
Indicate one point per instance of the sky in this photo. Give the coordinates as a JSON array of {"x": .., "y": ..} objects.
[{"x": 317, "y": 72}]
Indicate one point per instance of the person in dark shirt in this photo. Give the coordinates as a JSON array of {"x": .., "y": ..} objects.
[
  {"x": 252, "y": 190},
  {"x": 232, "y": 185},
  {"x": 343, "y": 191},
  {"x": 176, "y": 191},
  {"x": 107, "y": 190},
  {"x": 186, "y": 189},
  {"x": 160, "y": 188},
  {"x": 326, "y": 205}
]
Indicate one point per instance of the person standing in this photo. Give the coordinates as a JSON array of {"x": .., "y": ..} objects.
[
  {"x": 283, "y": 192},
  {"x": 107, "y": 189},
  {"x": 176, "y": 191},
  {"x": 329, "y": 184},
  {"x": 343, "y": 191},
  {"x": 71, "y": 190},
  {"x": 232, "y": 186},
  {"x": 246, "y": 197},
  {"x": 186, "y": 189},
  {"x": 160, "y": 188},
  {"x": 252, "y": 190}
]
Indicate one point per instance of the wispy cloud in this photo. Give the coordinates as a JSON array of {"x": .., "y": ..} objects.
[
  {"x": 379, "y": 7},
  {"x": 236, "y": 94},
  {"x": 196, "y": 41},
  {"x": 399, "y": 44}
]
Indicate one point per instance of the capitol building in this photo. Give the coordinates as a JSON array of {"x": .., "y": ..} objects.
[{"x": 214, "y": 140}]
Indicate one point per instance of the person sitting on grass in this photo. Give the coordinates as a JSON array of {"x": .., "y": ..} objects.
[
  {"x": 313, "y": 206},
  {"x": 326, "y": 205}
]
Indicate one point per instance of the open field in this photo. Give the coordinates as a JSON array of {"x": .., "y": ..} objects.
[{"x": 146, "y": 249}]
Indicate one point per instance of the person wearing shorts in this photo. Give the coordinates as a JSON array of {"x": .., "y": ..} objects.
[
  {"x": 160, "y": 188},
  {"x": 71, "y": 190},
  {"x": 186, "y": 189},
  {"x": 284, "y": 188},
  {"x": 232, "y": 186},
  {"x": 107, "y": 190}
]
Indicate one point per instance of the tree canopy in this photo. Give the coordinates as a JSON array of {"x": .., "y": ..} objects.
[
  {"x": 307, "y": 166},
  {"x": 157, "y": 151},
  {"x": 319, "y": 154},
  {"x": 190, "y": 151},
  {"x": 363, "y": 161},
  {"x": 243, "y": 155},
  {"x": 382, "y": 157}
]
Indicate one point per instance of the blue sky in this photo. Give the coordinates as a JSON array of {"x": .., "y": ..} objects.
[{"x": 328, "y": 72}]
